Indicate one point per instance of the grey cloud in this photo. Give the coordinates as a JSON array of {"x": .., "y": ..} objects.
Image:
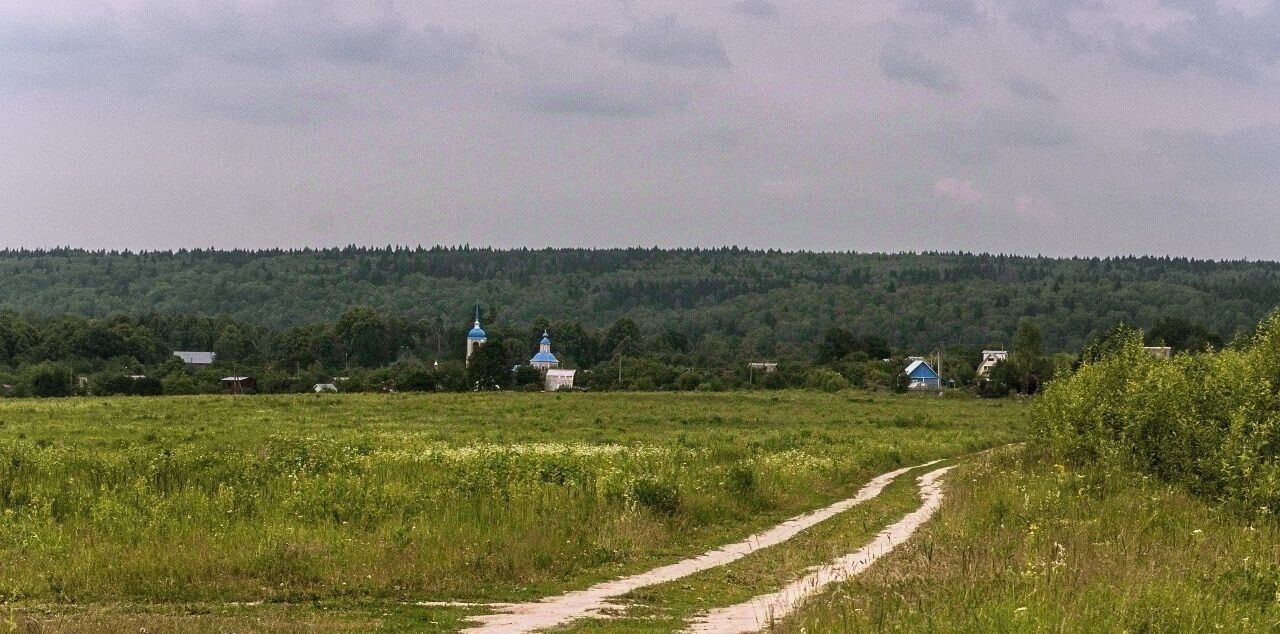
[
  {"x": 1231, "y": 157},
  {"x": 992, "y": 133},
  {"x": 663, "y": 40},
  {"x": 901, "y": 64},
  {"x": 1031, "y": 129},
  {"x": 427, "y": 50},
  {"x": 85, "y": 33},
  {"x": 193, "y": 58},
  {"x": 290, "y": 31},
  {"x": 1212, "y": 40},
  {"x": 762, "y": 9},
  {"x": 953, "y": 11},
  {"x": 1029, "y": 89},
  {"x": 604, "y": 96}
]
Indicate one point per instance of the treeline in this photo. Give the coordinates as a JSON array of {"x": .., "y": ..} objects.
[
  {"x": 367, "y": 350},
  {"x": 1209, "y": 422},
  {"x": 729, "y": 305}
]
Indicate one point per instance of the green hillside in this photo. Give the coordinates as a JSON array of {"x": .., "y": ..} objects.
[{"x": 756, "y": 302}]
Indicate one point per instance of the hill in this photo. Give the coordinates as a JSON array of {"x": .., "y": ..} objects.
[{"x": 760, "y": 302}]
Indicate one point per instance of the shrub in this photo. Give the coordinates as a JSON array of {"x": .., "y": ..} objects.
[
  {"x": 48, "y": 379},
  {"x": 1209, "y": 422},
  {"x": 826, "y": 380}
]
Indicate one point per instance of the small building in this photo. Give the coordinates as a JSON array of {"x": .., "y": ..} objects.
[
  {"x": 324, "y": 387},
  {"x": 197, "y": 359},
  {"x": 763, "y": 366},
  {"x": 239, "y": 385},
  {"x": 544, "y": 360},
  {"x": 921, "y": 376},
  {"x": 1159, "y": 352},
  {"x": 989, "y": 360},
  {"x": 558, "y": 379}
]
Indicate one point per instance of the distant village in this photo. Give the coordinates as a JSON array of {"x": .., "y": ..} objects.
[
  {"x": 365, "y": 351},
  {"x": 920, "y": 373}
]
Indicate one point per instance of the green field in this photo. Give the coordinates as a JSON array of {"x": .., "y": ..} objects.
[
  {"x": 1029, "y": 545},
  {"x": 336, "y": 511}
]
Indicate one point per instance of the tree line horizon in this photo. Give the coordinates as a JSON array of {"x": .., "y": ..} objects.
[{"x": 693, "y": 309}]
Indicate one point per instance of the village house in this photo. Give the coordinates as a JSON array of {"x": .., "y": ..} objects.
[
  {"x": 921, "y": 375},
  {"x": 989, "y": 360}
]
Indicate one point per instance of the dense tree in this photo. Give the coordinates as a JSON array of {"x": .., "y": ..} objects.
[
  {"x": 763, "y": 303},
  {"x": 488, "y": 368},
  {"x": 364, "y": 337},
  {"x": 1182, "y": 335},
  {"x": 48, "y": 379}
]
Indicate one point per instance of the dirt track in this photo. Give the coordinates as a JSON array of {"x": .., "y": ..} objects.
[{"x": 568, "y": 607}]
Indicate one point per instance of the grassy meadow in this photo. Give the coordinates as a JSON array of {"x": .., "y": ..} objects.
[
  {"x": 1024, "y": 544},
  {"x": 334, "y": 511}
]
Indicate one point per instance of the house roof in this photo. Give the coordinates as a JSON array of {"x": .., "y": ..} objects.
[
  {"x": 919, "y": 369},
  {"x": 196, "y": 358},
  {"x": 236, "y": 378}
]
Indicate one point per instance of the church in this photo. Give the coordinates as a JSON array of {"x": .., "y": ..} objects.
[{"x": 545, "y": 361}]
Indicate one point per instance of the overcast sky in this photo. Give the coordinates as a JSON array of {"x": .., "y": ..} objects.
[{"x": 1045, "y": 126}]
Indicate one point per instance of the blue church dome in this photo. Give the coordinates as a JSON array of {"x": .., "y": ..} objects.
[
  {"x": 544, "y": 357},
  {"x": 546, "y": 338},
  {"x": 476, "y": 332}
]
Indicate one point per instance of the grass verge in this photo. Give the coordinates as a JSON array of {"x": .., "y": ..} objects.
[{"x": 1023, "y": 545}]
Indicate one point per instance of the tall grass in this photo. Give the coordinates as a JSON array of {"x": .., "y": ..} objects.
[
  {"x": 1022, "y": 544},
  {"x": 1209, "y": 422},
  {"x": 408, "y": 498}
]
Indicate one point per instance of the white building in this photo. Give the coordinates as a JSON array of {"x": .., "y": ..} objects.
[
  {"x": 556, "y": 379},
  {"x": 1159, "y": 352},
  {"x": 989, "y": 360}
]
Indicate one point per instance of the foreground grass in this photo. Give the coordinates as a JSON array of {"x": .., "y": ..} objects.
[
  {"x": 1022, "y": 545},
  {"x": 354, "y": 504}
]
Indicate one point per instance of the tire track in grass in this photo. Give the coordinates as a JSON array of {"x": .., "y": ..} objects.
[
  {"x": 570, "y": 606},
  {"x": 762, "y": 611}
]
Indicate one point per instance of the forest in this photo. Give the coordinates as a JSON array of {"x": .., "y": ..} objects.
[{"x": 678, "y": 319}]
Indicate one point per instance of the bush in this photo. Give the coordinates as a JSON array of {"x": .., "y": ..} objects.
[
  {"x": 826, "y": 380},
  {"x": 48, "y": 379},
  {"x": 179, "y": 383},
  {"x": 1209, "y": 422}
]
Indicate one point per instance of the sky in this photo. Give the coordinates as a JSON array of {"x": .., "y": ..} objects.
[{"x": 1056, "y": 127}]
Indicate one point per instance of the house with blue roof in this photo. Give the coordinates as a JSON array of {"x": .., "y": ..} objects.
[{"x": 922, "y": 376}]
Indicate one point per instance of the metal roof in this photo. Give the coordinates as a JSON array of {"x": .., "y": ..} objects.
[
  {"x": 196, "y": 358},
  {"x": 919, "y": 369}
]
